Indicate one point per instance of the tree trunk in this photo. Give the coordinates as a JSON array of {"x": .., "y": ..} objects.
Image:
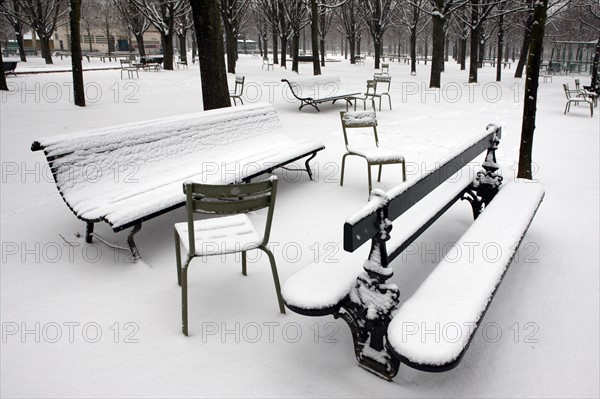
[
  {"x": 182, "y": 47},
  {"x": 19, "y": 36},
  {"x": 3, "y": 85},
  {"x": 413, "y": 49},
  {"x": 500, "y": 47},
  {"x": 437, "y": 53},
  {"x": 474, "y": 59},
  {"x": 531, "y": 88},
  {"x": 524, "y": 47},
  {"x": 108, "y": 38},
  {"x": 283, "y": 52},
  {"x": 322, "y": 50},
  {"x": 595, "y": 85},
  {"x": 352, "y": 45},
  {"x": 275, "y": 56},
  {"x": 314, "y": 30},
  {"x": 194, "y": 49},
  {"x": 231, "y": 46},
  {"x": 295, "y": 50},
  {"x": 45, "y": 44},
  {"x": 377, "y": 46},
  {"x": 209, "y": 37},
  {"x": 260, "y": 45},
  {"x": 358, "y": 46},
  {"x": 139, "y": 39},
  {"x": 167, "y": 43},
  {"x": 75, "y": 25}
]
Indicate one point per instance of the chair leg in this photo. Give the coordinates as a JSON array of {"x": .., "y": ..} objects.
[
  {"x": 566, "y": 108},
  {"x": 178, "y": 257},
  {"x": 390, "y": 101},
  {"x": 404, "y": 170},
  {"x": 275, "y": 278},
  {"x": 369, "y": 177},
  {"x": 244, "y": 263},
  {"x": 343, "y": 166},
  {"x": 184, "y": 310},
  {"x": 379, "y": 174}
]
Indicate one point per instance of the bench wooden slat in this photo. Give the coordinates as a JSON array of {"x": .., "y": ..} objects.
[{"x": 457, "y": 293}]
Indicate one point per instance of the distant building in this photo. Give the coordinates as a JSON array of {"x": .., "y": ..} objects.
[{"x": 96, "y": 41}]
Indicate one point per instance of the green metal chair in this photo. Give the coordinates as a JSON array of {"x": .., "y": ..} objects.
[
  {"x": 576, "y": 100},
  {"x": 374, "y": 155},
  {"x": 369, "y": 95},
  {"x": 238, "y": 90},
  {"x": 224, "y": 235},
  {"x": 382, "y": 87}
]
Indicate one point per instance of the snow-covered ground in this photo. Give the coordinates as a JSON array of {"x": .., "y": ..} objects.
[{"x": 82, "y": 321}]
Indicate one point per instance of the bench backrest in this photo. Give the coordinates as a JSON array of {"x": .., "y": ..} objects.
[
  {"x": 168, "y": 147},
  {"x": 365, "y": 224},
  {"x": 316, "y": 88}
]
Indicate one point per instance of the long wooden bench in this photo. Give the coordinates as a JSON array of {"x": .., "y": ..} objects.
[
  {"x": 319, "y": 89},
  {"x": 125, "y": 175},
  {"x": 460, "y": 288}
]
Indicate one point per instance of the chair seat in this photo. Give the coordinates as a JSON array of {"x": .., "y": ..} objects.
[
  {"x": 376, "y": 154},
  {"x": 221, "y": 235}
]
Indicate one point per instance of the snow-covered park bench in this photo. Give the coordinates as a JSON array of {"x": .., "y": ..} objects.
[
  {"x": 319, "y": 89},
  {"x": 125, "y": 175},
  {"x": 454, "y": 297}
]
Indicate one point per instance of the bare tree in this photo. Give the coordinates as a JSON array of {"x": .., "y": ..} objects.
[
  {"x": 106, "y": 19},
  {"x": 534, "y": 62},
  {"x": 293, "y": 18},
  {"x": 378, "y": 15},
  {"x": 43, "y": 16},
  {"x": 183, "y": 23},
  {"x": 267, "y": 12},
  {"x": 162, "y": 14},
  {"x": 137, "y": 22},
  {"x": 232, "y": 12},
  {"x": 350, "y": 25},
  {"x": 440, "y": 12},
  {"x": 16, "y": 23},
  {"x": 88, "y": 16},
  {"x": 411, "y": 16},
  {"x": 209, "y": 37}
]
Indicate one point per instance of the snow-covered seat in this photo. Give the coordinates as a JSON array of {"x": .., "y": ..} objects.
[
  {"x": 373, "y": 154},
  {"x": 127, "y": 174},
  {"x": 319, "y": 89},
  {"x": 455, "y": 296},
  {"x": 457, "y": 290}
]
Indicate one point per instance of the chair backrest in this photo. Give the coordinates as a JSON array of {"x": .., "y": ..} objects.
[
  {"x": 385, "y": 68},
  {"x": 359, "y": 119},
  {"x": 229, "y": 199},
  {"x": 567, "y": 91},
  {"x": 380, "y": 80},
  {"x": 239, "y": 82},
  {"x": 125, "y": 63},
  {"x": 371, "y": 87},
  {"x": 577, "y": 87}
]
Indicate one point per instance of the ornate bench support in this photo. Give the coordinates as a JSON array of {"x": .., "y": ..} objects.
[
  {"x": 89, "y": 231},
  {"x": 134, "y": 250},
  {"x": 487, "y": 182},
  {"x": 367, "y": 310}
]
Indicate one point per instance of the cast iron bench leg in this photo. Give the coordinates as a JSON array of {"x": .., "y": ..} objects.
[
  {"x": 314, "y": 154},
  {"x": 134, "y": 250},
  {"x": 89, "y": 231}
]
